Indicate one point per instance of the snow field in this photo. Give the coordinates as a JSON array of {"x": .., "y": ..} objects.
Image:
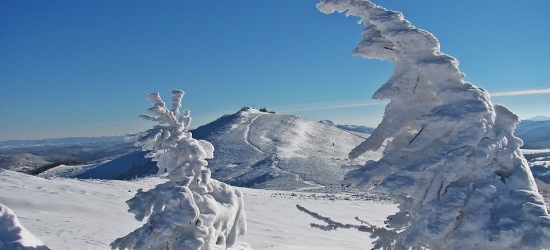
[
  {"x": 90, "y": 214},
  {"x": 274, "y": 222},
  {"x": 70, "y": 213}
]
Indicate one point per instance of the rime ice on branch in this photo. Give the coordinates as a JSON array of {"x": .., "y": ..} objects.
[
  {"x": 451, "y": 161},
  {"x": 191, "y": 210}
]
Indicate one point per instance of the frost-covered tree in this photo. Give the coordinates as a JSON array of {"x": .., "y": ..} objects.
[
  {"x": 191, "y": 210},
  {"x": 451, "y": 161},
  {"x": 13, "y": 235}
]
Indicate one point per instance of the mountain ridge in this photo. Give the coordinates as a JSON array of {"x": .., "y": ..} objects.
[
  {"x": 252, "y": 149},
  {"x": 539, "y": 118},
  {"x": 354, "y": 128},
  {"x": 270, "y": 150}
]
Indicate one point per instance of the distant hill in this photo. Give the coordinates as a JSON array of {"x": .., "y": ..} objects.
[
  {"x": 353, "y": 128},
  {"x": 539, "y": 118},
  {"x": 123, "y": 168},
  {"x": 535, "y": 134},
  {"x": 26, "y": 155},
  {"x": 276, "y": 151},
  {"x": 126, "y": 167},
  {"x": 18, "y": 144},
  {"x": 256, "y": 149},
  {"x": 252, "y": 149},
  {"x": 22, "y": 162}
]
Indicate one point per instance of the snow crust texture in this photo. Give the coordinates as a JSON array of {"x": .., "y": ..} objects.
[
  {"x": 452, "y": 162},
  {"x": 191, "y": 210},
  {"x": 13, "y": 235}
]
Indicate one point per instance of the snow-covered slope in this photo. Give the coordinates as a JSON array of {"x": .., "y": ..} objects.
[
  {"x": 126, "y": 167},
  {"x": 541, "y": 170},
  {"x": 230, "y": 164},
  {"x": 90, "y": 214},
  {"x": 123, "y": 168},
  {"x": 22, "y": 162},
  {"x": 539, "y": 161},
  {"x": 535, "y": 134},
  {"x": 254, "y": 149},
  {"x": 70, "y": 213},
  {"x": 276, "y": 151}
]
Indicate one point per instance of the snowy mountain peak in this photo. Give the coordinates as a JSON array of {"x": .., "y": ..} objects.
[
  {"x": 277, "y": 151},
  {"x": 248, "y": 109},
  {"x": 257, "y": 149}
]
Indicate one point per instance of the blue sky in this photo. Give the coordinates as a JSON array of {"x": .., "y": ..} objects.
[{"x": 83, "y": 68}]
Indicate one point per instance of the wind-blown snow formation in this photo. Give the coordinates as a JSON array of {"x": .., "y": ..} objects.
[
  {"x": 13, "y": 235},
  {"x": 191, "y": 210},
  {"x": 453, "y": 164}
]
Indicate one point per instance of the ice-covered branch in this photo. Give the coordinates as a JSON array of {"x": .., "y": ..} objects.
[
  {"x": 333, "y": 225},
  {"x": 176, "y": 101},
  {"x": 386, "y": 239}
]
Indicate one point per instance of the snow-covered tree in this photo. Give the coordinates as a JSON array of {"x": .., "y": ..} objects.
[
  {"x": 13, "y": 235},
  {"x": 191, "y": 210},
  {"x": 451, "y": 161}
]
